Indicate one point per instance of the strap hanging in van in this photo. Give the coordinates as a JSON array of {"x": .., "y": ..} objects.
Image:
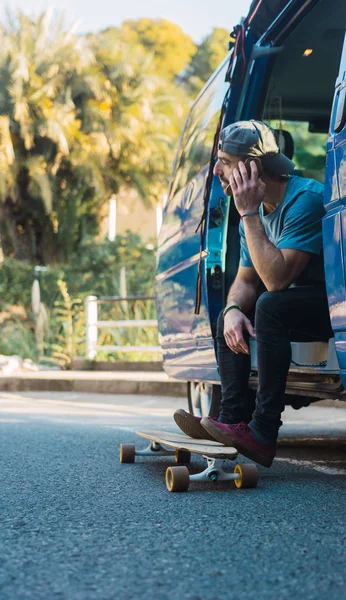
[
  {"x": 238, "y": 34},
  {"x": 261, "y": 14}
]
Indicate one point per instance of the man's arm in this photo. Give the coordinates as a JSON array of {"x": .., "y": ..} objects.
[
  {"x": 277, "y": 268},
  {"x": 244, "y": 288},
  {"x": 243, "y": 291}
]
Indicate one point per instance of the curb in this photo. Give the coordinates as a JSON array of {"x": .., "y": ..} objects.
[
  {"x": 94, "y": 383},
  {"x": 82, "y": 364},
  {"x": 327, "y": 440}
]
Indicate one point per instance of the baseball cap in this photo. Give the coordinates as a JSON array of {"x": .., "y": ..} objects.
[{"x": 255, "y": 139}]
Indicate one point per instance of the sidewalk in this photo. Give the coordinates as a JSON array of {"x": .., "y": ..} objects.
[
  {"x": 104, "y": 382},
  {"x": 323, "y": 423}
]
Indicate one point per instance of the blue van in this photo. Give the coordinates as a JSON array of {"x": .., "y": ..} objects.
[{"x": 287, "y": 67}]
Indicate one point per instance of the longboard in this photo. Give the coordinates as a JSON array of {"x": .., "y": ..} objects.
[
  {"x": 182, "y": 446},
  {"x": 189, "y": 444}
]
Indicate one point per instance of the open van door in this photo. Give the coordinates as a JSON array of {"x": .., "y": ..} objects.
[{"x": 334, "y": 225}]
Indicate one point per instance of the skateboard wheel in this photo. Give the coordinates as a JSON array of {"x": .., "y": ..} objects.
[
  {"x": 127, "y": 453},
  {"x": 182, "y": 456},
  {"x": 177, "y": 479},
  {"x": 248, "y": 476}
]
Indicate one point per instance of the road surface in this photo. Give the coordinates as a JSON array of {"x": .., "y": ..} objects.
[{"x": 78, "y": 525}]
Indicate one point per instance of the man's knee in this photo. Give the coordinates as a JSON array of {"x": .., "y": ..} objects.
[{"x": 268, "y": 302}]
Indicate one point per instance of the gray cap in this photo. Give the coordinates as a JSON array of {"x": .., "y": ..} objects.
[{"x": 258, "y": 140}]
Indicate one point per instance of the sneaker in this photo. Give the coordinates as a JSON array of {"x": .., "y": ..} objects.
[
  {"x": 191, "y": 425},
  {"x": 241, "y": 437}
]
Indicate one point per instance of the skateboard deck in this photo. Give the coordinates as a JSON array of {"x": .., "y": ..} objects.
[
  {"x": 166, "y": 443},
  {"x": 183, "y": 442}
]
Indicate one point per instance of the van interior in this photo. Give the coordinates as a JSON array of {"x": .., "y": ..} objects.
[{"x": 297, "y": 102}]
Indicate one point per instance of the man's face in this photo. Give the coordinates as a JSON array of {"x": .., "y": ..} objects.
[{"x": 224, "y": 167}]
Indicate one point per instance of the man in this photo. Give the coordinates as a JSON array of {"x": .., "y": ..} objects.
[{"x": 281, "y": 252}]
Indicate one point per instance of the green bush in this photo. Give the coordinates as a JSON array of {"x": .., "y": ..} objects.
[
  {"x": 94, "y": 270},
  {"x": 18, "y": 337}
]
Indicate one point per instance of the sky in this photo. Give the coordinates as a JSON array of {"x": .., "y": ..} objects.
[{"x": 195, "y": 17}]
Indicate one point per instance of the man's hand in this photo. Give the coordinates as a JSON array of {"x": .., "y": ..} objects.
[
  {"x": 234, "y": 324},
  {"x": 248, "y": 191}
]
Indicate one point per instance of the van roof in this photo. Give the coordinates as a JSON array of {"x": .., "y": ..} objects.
[{"x": 262, "y": 13}]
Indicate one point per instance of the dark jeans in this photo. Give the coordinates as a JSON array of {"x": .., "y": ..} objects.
[{"x": 295, "y": 314}]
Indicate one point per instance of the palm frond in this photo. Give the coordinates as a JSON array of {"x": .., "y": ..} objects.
[{"x": 6, "y": 145}]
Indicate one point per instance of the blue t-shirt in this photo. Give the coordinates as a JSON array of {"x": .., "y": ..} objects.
[{"x": 295, "y": 223}]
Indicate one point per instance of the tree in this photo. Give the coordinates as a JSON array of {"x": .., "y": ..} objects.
[
  {"x": 210, "y": 53},
  {"x": 171, "y": 49},
  {"x": 41, "y": 66},
  {"x": 144, "y": 120},
  {"x": 79, "y": 117}
]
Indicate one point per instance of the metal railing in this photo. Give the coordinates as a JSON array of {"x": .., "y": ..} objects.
[{"x": 93, "y": 324}]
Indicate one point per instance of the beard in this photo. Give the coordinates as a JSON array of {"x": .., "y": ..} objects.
[{"x": 226, "y": 187}]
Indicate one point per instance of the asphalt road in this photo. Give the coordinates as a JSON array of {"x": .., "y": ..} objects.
[{"x": 78, "y": 525}]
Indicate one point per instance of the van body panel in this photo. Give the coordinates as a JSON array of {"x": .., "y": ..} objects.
[
  {"x": 340, "y": 346},
  {"x": 334, "y": 225},
  {"x": 334, "y": 268},
  {"x": 180, "y": 330},
  {"x": 332, "y": 198},
  {"x": 340, "y": 161}
]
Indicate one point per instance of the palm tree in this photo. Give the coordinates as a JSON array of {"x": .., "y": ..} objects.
[
  {"x": 41, "y": 65},
  {"x": 80, "y": 117},
  {"x": 140, "y": 116}
]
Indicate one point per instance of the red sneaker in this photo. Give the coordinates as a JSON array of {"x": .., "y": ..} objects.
[
  {"x": 241, "y": 437},
  {"x": 191, "y": 425}
]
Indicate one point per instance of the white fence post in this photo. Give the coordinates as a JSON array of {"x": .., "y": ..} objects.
[
  {"x": 91, "y": 326},
  {"x": 123, "y": 285}
]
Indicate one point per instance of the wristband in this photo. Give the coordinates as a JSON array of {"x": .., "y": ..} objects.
[
  {"x": 230, "y": 306},
  {"x": 249, "y": 214}
]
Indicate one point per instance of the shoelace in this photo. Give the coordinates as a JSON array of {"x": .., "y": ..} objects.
[{"x": 241, "y": 427}]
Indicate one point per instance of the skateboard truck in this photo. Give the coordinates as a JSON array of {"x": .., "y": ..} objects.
[
  {"x": 244, "y": 476},
  {"x": 214, "y": 472},
  {"x": 129, "y": 451},
  {"x": 154, "y": 448}
]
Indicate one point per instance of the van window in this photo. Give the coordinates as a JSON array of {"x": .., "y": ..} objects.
[
  {"x": 306, "y": 149},
  {"x": 198, "y": 136}
]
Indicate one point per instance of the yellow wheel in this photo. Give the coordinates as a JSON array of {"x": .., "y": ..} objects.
[
  {"x": 248, "y": 476},
  {"x": 177, "y": 479},
  {"x": 127, "y": 453},
  {"x": 182, "y": 456}
]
